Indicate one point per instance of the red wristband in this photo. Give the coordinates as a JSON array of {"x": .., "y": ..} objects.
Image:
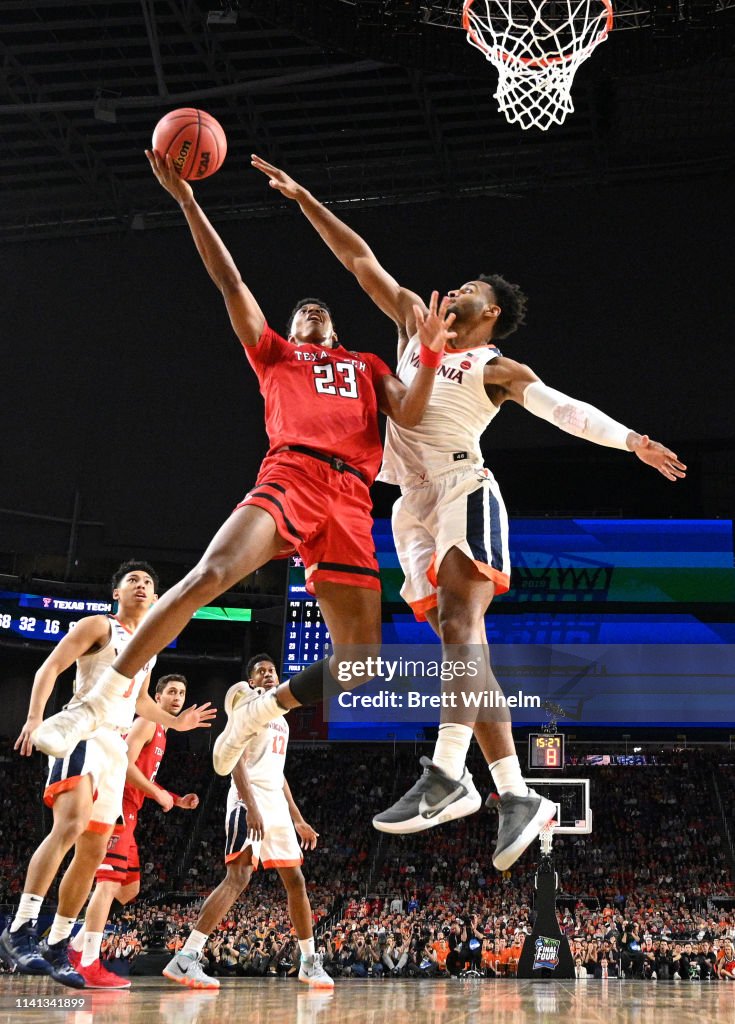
[{"x": 427, "y": 357}]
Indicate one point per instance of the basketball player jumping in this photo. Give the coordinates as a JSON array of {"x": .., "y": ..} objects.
[
  {"x": 118, "y": 876},
  {"x": 312, "y": 493},
  {"x": 450, "y": 524},
  {"x": 261, "y": 825},
  {"x": 85, "y": 788}
]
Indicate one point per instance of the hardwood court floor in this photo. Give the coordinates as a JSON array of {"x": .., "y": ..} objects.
[{"x": 424, "y": 1001}]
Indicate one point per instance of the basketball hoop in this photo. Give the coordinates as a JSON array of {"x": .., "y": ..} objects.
[{"x": 536, "y": 47}]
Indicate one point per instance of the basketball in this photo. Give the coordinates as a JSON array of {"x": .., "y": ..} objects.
[{"x": 195, "y": 140}]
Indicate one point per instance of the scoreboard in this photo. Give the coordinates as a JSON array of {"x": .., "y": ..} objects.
[
  {"x": 50, "y": 617},
  {"x": 546, "y": 750},
  {"x": 305, "y": 632},
  {"x": 45, "y": 617}
]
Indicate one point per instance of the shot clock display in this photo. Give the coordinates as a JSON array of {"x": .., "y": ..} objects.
[{"x": 546, "y": 750}]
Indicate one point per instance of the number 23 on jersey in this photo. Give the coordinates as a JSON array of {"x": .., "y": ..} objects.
[{"x": 335, "y": 379}]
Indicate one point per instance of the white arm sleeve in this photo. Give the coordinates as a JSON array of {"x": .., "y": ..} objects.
[{"x": 575, "y": 417}]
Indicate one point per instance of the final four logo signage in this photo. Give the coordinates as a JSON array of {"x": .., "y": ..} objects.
[{"x": 546, "y": 953}]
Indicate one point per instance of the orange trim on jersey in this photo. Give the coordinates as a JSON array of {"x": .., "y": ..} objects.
[
  {"x": 98, "y": 826},
  {"x": 62, "y": 786},
  {"x": 283, "y": 863},
  {"x": 123, "y": 625},
  {"x": 238, "y": 853},
  {"x": 500, "y": 579},
  {"x": 425, "y": 604}
]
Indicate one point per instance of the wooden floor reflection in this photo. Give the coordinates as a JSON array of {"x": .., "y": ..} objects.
[{"x": 425, "y": 1001}]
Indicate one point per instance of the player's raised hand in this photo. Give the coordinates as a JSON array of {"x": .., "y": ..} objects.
[
  {"x": 196, "y": 717},
  {"x": 24, "y": 743},
  {"x": 190, "y": 802},
  {"x": 307, "y": 835},
  {"x": 659, "y": 457},
  {"x": 433, "y": 327},
  {"x": 277, "y": 178},
  {"x": 168, "y": 176}
]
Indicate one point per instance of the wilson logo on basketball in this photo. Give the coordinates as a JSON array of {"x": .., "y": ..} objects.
[{"x": 183, "y": 152}]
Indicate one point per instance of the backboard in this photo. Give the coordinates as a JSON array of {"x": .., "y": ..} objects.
[{"x": 572, "y": 798}]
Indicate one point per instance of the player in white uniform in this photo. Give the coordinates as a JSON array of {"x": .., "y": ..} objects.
[
  {"x": 261, "y": 826},
  {"x": 450, "y": 525},
  {"x": 85, "y": 788}
]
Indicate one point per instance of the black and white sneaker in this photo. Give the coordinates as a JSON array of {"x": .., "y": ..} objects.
[
  {"x": 521, "y": 820},
  {"x": 433, "y": 800}
]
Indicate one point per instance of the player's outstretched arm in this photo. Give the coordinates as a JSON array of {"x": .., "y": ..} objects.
[
  {"x": 195, "y": 717},
  {"x": 246, "y": 315},
  {"x": 406, "y": 405},
  {"x": 306, "y": 833},
  {"x": 91, "y": 632},
  {"x": 520, "y": 384},
  {"x": 349, "y": 248}
]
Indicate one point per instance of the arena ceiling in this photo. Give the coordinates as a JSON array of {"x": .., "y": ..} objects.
[{"x": 377, "y": 101}]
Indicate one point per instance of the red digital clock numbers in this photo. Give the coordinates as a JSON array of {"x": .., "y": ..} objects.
[{"x": 546, "y": 750}]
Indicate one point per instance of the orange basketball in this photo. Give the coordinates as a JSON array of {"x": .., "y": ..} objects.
[{"x": 195, "y": 140}]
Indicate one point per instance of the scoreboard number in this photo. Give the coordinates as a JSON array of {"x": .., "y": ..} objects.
[{"x": 546, "y": 750}]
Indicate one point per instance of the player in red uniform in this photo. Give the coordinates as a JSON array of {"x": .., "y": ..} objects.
[
  {"x": 321, "y": 405},
  {"x": 118, "y": 877},
  {"x": 725, "y": 967}
]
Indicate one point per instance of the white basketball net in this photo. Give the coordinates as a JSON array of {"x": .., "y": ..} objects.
[{"x": 536, "y": 47}]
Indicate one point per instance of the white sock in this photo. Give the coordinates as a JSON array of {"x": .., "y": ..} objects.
[
  {"x": 507, "y": 776},
  {"x": 77, "y": 942},
  {"x": 195, "y": 943},
  {"x": 92, "y": 944},
  {"x": 307, "y": 947},
  {"x": 263, "y": 709},
  {"x": 61, "y": 929},
  {"x": 450, "y": 752},
  {"x": 29, "y": 908}
]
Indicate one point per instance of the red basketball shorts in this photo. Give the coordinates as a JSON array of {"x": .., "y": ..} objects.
[
  {"x": 121, "y": 863},
  {"x": 323, "y": 514}
]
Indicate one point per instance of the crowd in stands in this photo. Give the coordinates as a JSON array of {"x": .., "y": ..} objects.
[
  {"x": 639, "y": 896},
  {"x": 21, "y": 817}
]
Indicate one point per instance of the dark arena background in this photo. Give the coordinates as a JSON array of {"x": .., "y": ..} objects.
[{"x": 131, "y": 425}]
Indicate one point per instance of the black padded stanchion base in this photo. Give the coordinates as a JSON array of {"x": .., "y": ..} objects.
[{"x": 546, "y": 952}]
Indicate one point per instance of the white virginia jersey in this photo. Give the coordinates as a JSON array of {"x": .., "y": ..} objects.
[
  {"x": 449, "y": 434},
  {"x": 91, "y": 666},
  {"x": 265, "y": 754}
]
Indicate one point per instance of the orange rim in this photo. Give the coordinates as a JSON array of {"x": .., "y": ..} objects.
[{"x": 527, "y": 61}]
